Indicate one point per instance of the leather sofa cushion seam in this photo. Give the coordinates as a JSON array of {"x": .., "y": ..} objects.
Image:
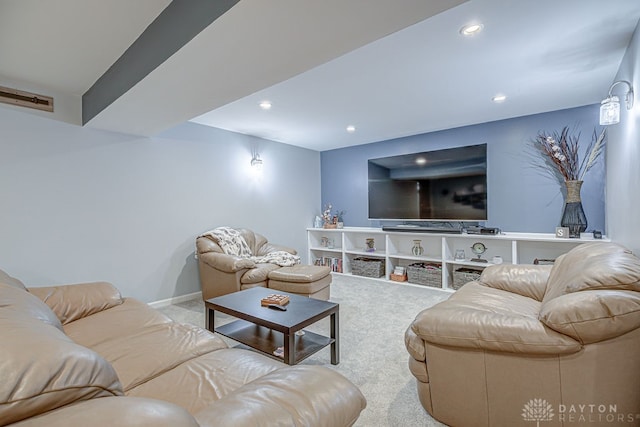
[
  {"x": 595, "y": 319},
  {"x": 471, "y": 339},
  {"x": 58, "y": 390}
]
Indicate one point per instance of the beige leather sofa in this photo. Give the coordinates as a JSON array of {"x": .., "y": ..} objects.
[
  {"x": 221, "y": 274},
  {"x": 88, "y": 357},
  {"x": 527, "y": 344}
]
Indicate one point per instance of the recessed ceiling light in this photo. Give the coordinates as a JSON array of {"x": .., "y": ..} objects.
[
  {"x": 351, "y": 129},
  {"x": 499, "y": 98},
  {"x": 421, "y": 161},
  {"x": 265, "y": 105},
  {"x": 471, "y": 29}
]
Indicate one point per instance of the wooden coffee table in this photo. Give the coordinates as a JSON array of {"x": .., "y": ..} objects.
[{"x": 265, "y": 329}]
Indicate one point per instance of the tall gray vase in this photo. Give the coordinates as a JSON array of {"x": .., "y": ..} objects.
[{"x": 573, "y": 215}]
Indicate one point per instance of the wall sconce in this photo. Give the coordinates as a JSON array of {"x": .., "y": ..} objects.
[
  {"x": 610, "y": 106},
  {"x": 256, "y": 162}
]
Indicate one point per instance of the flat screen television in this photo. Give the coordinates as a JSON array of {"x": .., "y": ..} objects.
[{"x": 440, "y": 185}]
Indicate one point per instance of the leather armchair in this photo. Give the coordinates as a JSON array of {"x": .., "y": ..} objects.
[
  {"x": 566, "y": 335},
  {"x": 222, "y": 274}
]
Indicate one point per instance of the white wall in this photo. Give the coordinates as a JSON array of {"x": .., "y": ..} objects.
[
  {"x": 623, "y": 158},
  {"x": 82, "y": 205},
  {"x": 66, "y": 107}
]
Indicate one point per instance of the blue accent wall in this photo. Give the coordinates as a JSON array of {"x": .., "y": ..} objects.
[{"x": 521, "y": 198}]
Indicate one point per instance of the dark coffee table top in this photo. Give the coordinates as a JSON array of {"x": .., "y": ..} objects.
[{"x": 301, "y": 311}]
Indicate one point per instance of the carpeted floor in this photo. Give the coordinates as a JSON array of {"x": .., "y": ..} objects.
[{"x": 373, "y": 318}]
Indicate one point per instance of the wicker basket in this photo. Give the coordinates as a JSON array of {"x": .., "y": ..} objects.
[
  {"x": 428, "y": 274},
  {"x": 465, "y": 275},
  {"x": 367, "y": 267},
  {"x": 398, "y": 277}
]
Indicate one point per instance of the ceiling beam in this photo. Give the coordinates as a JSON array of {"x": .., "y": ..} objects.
[{"x": 176, "y": 25}]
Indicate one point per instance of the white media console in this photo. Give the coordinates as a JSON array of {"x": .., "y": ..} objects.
[{"x": 340, "y": 246}]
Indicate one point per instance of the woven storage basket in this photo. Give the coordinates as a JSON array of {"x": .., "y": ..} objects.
[
  {"x": 368, "y": 267},
  {"x": 425, "y": 274},
  {"x": 465, "y": 275}
]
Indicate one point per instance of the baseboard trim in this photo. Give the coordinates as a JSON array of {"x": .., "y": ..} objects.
[{"x": 175, "y": 300}]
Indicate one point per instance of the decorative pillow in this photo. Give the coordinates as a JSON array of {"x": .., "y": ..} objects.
[
  {"x": 593, "y": 316},
  {"x": 43, "y": 369},
  {"x": 594, "y": 266}
]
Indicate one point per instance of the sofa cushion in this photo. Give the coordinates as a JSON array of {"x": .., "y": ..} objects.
[
  {"x": 480, "y": 317},
  {"x": 593, "y": 266},
  {"x": 282, "y": 398},
  {"x": 214, "y": 375},
  {"x": 114, "y": 412},
  {"x": 108, "y": 325},
  {"x": 526, "y": 280},
  {"x": 73, "y": 302},
  {"x": 41, "y": 368},
  {"x": 593, "y": 316},
  {"x": 141, "y": 342}
]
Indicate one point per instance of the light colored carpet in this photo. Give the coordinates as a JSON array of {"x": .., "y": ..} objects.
[{"x": 373, "y": 318}]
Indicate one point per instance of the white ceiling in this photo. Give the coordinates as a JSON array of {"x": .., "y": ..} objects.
[
  {"x": 65, "y": 45},
  {"x": 390, "y": 67}
]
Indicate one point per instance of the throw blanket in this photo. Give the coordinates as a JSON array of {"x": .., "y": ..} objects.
[{"x": 232, "y": 243}]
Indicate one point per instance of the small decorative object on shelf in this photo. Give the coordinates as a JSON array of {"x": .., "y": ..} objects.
[
  {"x": 460, "y": 255},
  {"x": 478, "y": 248},
  {"x": 417, "y": 249},
  {"x": 496, "y": 259},
  {"x": 324, "y": 241},
  {"x": 332, "y": 220},
  {"x": 340, "y": 219},
  {"x": 328, "y": 218},
  {"x": 560, "y": 156},
  {"x": 370, "y": 245}
]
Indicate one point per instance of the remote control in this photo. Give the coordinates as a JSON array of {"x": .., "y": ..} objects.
[{"x": 277, "y": 307}]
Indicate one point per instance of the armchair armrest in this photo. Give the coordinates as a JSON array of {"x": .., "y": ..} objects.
[
  {"x": 73, "y": 302},
  {"x": 226, "y": 263},
  {"x": 270, "y": 247},
  {"x": 477, "y": 317},
  {"x": 593, "y": 316},
  {"x": 527, "y": 280}
]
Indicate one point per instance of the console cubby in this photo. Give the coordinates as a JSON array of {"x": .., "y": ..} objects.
[{"x": 395, "y": 248}]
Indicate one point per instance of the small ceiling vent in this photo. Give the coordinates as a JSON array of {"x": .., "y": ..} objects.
[{"x": 26, "y": 99}]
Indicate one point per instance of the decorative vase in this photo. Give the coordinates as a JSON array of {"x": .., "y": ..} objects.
[
  {"x": 330, "y": 225},
  {"x": 573, "y": 215},
  {"x": 417, "y": 249},
  {"x": 370, "y": 245}
]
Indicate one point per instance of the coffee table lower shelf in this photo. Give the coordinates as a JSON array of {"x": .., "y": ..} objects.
[{"x": 267, "y": 340}]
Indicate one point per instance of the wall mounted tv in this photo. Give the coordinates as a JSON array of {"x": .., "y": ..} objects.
[{"x": 441, "y": 185}]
